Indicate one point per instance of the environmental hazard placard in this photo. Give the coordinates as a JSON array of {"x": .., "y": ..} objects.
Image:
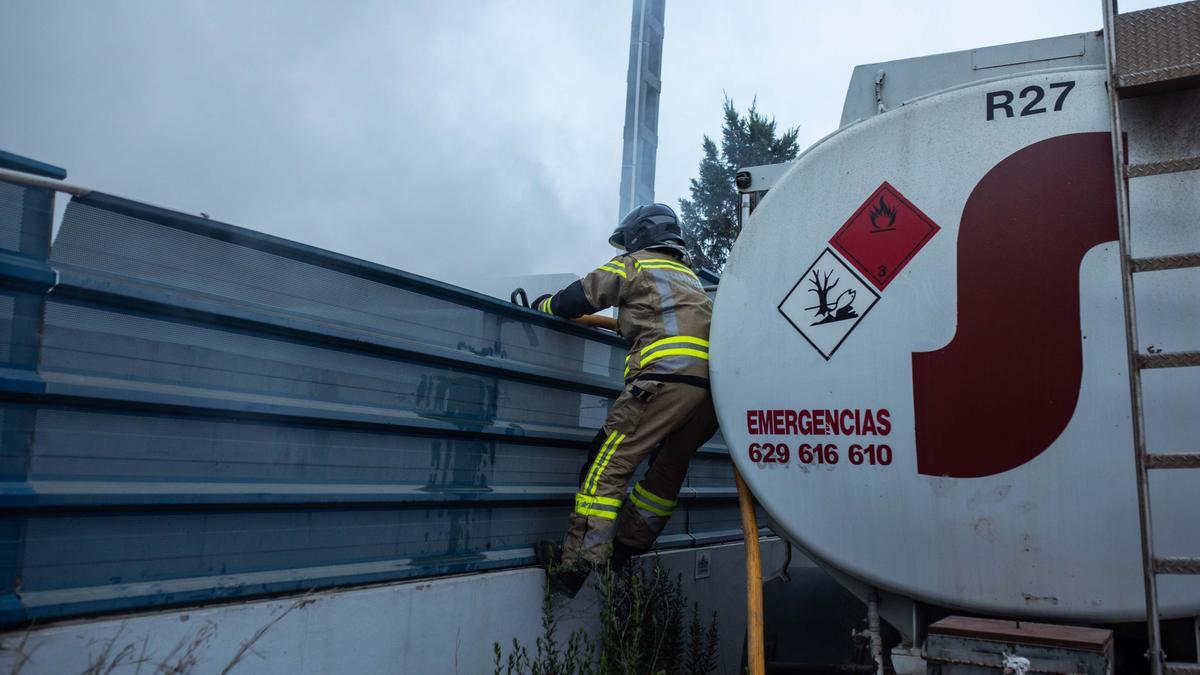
[
  {"x": 883, "y": 235},
  {"x": 827, "y": 303},
  {"x": 878, "y": 240}
]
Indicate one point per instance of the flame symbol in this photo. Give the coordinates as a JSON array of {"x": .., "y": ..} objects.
[{"x": 880, "y": 211}]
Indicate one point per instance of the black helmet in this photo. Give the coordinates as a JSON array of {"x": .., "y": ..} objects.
[{"x": 647, "y": 226}]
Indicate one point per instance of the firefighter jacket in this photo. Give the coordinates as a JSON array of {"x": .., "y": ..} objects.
[{"x": 662, "y": 310}]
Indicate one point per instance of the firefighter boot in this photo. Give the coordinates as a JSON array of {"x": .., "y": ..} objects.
[
  {"x": 564, "y": 580},
  {"x": 548, "y": 554},
  {"x": 622, "y": 553}
]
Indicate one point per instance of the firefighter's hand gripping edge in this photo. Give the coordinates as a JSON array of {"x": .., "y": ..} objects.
[{"x": 518, "y": 297}]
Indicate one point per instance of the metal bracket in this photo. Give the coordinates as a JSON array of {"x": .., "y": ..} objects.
[{"x": 879, "y": 91}]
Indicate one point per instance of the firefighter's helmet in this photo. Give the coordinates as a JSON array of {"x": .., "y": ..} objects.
[{"x": 648, "y": 226}]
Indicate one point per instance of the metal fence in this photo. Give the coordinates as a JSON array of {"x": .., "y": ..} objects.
[{"x": 195, "y": 411}]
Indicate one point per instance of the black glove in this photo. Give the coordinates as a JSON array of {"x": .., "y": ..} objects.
[{"x": 542, "y": 303}]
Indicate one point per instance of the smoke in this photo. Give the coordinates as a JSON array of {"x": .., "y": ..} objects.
[{"x": 462, "y": 142}]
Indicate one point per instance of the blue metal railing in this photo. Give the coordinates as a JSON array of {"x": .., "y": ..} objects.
[
  {"x": 14, "y": 162},
  {"x": 194, "y": 411}
]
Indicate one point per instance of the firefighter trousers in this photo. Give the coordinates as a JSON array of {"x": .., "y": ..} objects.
[{"x": 671, "y": 417}]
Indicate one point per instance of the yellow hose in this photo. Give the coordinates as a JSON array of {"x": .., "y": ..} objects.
[
  {"x": 754, "y": 613},
  {"x": 598, "y": 321}
]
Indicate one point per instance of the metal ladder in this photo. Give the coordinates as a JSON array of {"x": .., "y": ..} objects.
[{"x": 1151, "y": 51}]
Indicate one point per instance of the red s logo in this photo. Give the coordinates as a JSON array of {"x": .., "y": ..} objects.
[{"x": 1006, "y": 385}]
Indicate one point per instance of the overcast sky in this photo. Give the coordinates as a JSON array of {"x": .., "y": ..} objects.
[{"x": 460, "y": 140}]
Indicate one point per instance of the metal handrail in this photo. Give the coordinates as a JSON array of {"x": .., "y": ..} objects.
[{"x": 47, "y": 183}]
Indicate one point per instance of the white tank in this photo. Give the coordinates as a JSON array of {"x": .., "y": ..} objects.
[{"x": 918, "y": 354}]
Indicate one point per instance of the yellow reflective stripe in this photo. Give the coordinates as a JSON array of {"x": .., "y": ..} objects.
[
  {"x": 672, "y": 269},
  {"x": 678, "y": 339},
  {"x": 615, "y": 270},
  {"x": 675, "y": 352},
  {"x": 596, "y": 499},
  {"x": 592, "y": 471},
  {"x": 585, "y": 511},
  {"x": 667, "y": 265},
  {"x": 606, "y": 459},
  {"x": 665, "y": 503},
  {"x": 602, "y": 462},
  {"x": 603, "y": 507},
  {"x": 596, "y": 464},
  {"x": 545, "y": 306},
  {"x": 648, "y": 507},
  {"x": 626, "y": 372},
  {"x": 681, "y": 270},
  {"x": 612, "y": 450}
]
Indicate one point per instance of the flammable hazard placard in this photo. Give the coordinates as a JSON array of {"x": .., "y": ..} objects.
[{"x": 883, "y": 235}]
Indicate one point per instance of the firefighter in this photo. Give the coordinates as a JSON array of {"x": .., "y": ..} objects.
[{"x": 665, "y": 411}]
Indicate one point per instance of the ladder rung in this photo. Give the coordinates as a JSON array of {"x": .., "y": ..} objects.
[
  {"x": 1165, "y": 262},
  {"x": 1165, "y": 166},
  {"x": 1169, "y": 360},
  {"x": 1177, "y": 565},
  {"x": 1174, "y": 460},
  {"x": 1178, "y": 668}
]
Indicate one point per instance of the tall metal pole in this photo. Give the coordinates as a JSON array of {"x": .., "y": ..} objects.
[{"x": 643, "y": 88}]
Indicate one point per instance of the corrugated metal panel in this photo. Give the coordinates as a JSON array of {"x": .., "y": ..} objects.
[{"x": 227, "y": 413}]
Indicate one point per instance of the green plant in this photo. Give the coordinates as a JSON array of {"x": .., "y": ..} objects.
[
  {"x": 548, "y": 659},
  {"x": 641, "y": 631},
  {"x": 702, "y": 652},
  {"x": 642, "y": 626}
]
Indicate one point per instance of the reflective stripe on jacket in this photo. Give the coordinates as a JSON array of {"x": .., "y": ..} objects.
[{"x": 662, "y": 310}]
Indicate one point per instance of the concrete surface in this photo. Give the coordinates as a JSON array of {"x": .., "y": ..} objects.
[{"x": 446, "y": 625}]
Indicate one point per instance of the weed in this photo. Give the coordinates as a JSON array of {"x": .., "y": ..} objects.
[
  {"x": 249, "y": 643},
  {"x": 641, "y": 631},
  {"x": 549, "y": 659},
  {"x": 183, "y": 659}
]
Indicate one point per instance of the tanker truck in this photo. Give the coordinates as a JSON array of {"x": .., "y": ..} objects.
[{"x": 924, "y": 337}]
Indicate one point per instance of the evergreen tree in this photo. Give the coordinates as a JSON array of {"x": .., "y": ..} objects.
[{"x": 710, "y": 216}]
